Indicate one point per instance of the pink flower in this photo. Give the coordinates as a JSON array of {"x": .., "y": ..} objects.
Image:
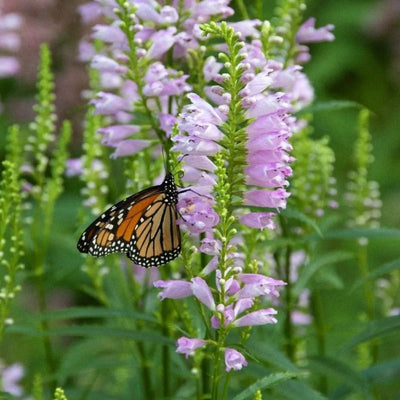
[
  {"x": 162, "y": 41},
  {"x": 266, "y": 198},
  {"x": 258, "y": 285},
  {"x": 10, "y": 379},
  {"x": 113, "y": 134},
  {"x": 8, "y": 66},
  {"x": 130, "y": 146},
  {"x": 308, "y": 33},
  {"x": 259, "y": 220},
  {"x": 74, "y": 167},
  {"x": 174, "y": 289},
  {"x": 108, "y": 103},
  {"x": 203, "y": 293},
  {"x": 234, "y": 360},
  {"x": 259, "y": 317},
  {"x": 188, "y": 346}
]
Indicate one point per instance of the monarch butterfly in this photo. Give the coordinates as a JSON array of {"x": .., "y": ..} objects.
[{"x": 143, "y": 226}]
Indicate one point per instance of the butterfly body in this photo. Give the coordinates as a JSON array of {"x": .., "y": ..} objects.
[{"x": 143, "y": 226}]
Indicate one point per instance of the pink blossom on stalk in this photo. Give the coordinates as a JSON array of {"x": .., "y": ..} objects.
[
  {"x": 198, "y": 215},
  {"x": 259, "y": 220},
  {"x": 106, "y": 64},
  {"x": 162, "y": 41},
  {"x": 89, "y": 12},
  {"x": 173, "y": 289},
  {"x": 188, "y": 346},
  {"x": 203, "y": 293},
  {"x": 113, "y": 134},
  {"x": 129, "y": 147},
  {"x": 259, "y": 317},
  {"x": 258, "y": 285},
  {"x": 8, "y": 66},
  {"x": 308, "y": 33},
  {"x": 10, "y": 379},
  {"x": 110, "y": 34},
  {"x": 109, "y": 103},
  {"x": 210, "y": 246},
  {"x": 234, "y": 360},
  {"x": 266, "y": 198},
  {"x": 300, "y": 318},
  {"x": 74, "y": 167}
]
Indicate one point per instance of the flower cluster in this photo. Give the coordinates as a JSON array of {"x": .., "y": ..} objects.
[
  {"x": 9, "y": 42},
  {"x": 239, "y": 291},
  {"x": 132, "y": 77}
]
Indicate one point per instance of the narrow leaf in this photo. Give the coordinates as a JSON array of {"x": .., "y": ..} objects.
[
  {"x": 94, "y": 312},
  {"x": 291, "y": 213},
  {"x": 349, "y": 376},
  {"x": 296, "y": 390},
  {"x": 374, "y": 330},
  {"x": 384, "y": 269},
  {"x": 329, "y": 106},
  {"x": 264, "y": 383},
  {"x": 308, "y": 270}
]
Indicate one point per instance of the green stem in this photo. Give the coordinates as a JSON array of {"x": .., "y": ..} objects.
[
  {"x": 44, "y": 327},
  {"x": 166, "y": 358},
  {"x": 368, "y": 295},
  {"x": 216, "y": 375},
  {"x": 205, "y": 375},
  {"x": 290, "y": 347},
  {"x": 242, "y": 9},
  {"x": 317, "y": 313},
  {"x": 166, "y": 312}
]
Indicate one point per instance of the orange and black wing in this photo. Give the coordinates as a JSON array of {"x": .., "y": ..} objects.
[{"x": 143, "y": 226}]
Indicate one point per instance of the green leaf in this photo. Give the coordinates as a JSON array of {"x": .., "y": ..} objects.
[
  {"x": 383, "y": 233},
  {"x": 6, "y": 396},
  {"x": 96, "y": 330},
  {"x": 308, "y": 270},
  {"x": 375, "y": 330},
  {"x": 296, "y": 390},
  {"x": 95, "y": 312},
  {"x": 264, "y": 383},
  {"x": 347, "y": 375},
  {"x": 384, "y": 269},
  {"x": 268, "y": 354},
  {"x": 384, "y": 372},
  {"x": 291, "y": 213},
  {"x": 329, "y": 106}
]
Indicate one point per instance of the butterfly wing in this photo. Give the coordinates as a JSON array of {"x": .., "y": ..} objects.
[{"x": 143, "y": 226}]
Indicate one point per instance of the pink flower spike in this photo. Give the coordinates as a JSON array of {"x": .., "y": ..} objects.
[
  {"x": 203, "y": 293},
  {"x": 234, "y": 360},
  {"x": 188, "y": 346},
  {"x": 259, "y": 317},
  {"x": 173, "y": 289}
]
